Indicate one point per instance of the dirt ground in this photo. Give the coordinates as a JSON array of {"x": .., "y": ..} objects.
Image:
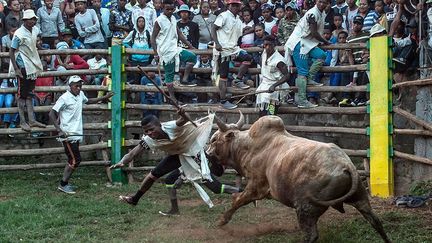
[{"x": 250, "y": 223}]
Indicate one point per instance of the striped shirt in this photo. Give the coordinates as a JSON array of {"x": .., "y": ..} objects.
[{"x": 370, "y": 20}]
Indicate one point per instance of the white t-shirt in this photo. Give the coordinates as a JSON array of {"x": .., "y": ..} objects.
[
  {"x": 249, "y": 38},
  {"x": 69, "y": 108},
  {"x": 269, "y": 25},
  {"x": 230, "y": 30},
  {"x": 95, "y": 64}
]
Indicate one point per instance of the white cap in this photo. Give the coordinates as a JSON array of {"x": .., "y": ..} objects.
[
  {"x": 74, "y": 79},
  {"x": 376, "y": 29},
  {"x": 29, "y": 14}
]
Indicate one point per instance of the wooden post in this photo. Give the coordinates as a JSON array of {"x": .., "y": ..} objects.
[
  {"x": 380, "y": 108},
  {"x": 105, "y": 157},
  {"x": 118, "y": 76}
]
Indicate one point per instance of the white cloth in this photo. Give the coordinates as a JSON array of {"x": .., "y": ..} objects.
[
  {"x": 230, "y": 30},
  {"x": 28, "y": 52},
  {"x": 167, "y": 40},
  {"x": 69, "y": 108},
  {"x": 188, "y": 141},
  {"x": 95, "y": 64},
  {"x": 270, "y": 74},
  {"x": 302, "y": 32},
  {"x": 249, "y": 38}
]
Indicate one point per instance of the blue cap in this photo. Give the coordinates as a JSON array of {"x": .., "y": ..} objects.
[{"x": 183, "y": 7}]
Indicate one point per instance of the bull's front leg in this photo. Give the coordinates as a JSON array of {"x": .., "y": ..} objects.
[{"x": 243, "y": 198}]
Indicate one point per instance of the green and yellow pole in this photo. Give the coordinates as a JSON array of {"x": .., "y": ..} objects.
[
  {"x": 380, "y": 113},
  {"x": 117, "y": 106}
]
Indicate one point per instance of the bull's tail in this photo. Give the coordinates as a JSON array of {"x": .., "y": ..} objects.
[{"x": 354, "y": 185}]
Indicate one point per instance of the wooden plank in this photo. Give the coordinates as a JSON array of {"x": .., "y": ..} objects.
[
  {"x": 413, "y": 118},
  {"x": 282, "y": 109},
  {"x": 49, "y": 166},
  {"x": 412, "y": 157},
  {"x": 49, "y": 151}
]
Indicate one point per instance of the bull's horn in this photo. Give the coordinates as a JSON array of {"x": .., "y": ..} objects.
[
  {"x": 240, "y": 122},
  {"x": 222, "y": 125}
]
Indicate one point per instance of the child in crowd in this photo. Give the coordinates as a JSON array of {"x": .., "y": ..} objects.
[
  {"x": 247, "y": 40},
  {"x": 279, "y": 13},
  {"x": 158, "y": 6},
  {"x": 96, "y": 63},
  {"x": 267, "y": 19},
  {"x": 343, "y": 58},
  {"x": 337, "y": 22},
  {"x": 204, "y": 79},
  {"x": 259, "y": 40}
]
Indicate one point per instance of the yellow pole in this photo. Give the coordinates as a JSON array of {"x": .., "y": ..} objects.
[{"x": 380, "y": 113}]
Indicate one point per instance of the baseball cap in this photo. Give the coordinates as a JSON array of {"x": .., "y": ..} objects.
[
  {"x": 74, "y": 79},
  {"x": 66, "y": 31},
  {"x": 358, "y": 19},
  {"x": 62, "y": 45},
  {"x": 183, "y": 8}
]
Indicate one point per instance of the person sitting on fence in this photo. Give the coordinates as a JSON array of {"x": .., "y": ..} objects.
[
  {"x": 274, "y": 73},
  {"x": 66, "y": 115},
  {"x": 138, "y": 38},
  {"x": 204, "y": 79},
  {"x": 96, "y": 63},
  {"x": 26, "y": 65},
  {"x": 184, "y": 145},
  {"x": 303, "y": 45},
  {"x": 227, "y": 29},
  {"x": 164, "y": 41}
]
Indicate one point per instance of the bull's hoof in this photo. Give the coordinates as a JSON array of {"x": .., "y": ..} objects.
[{"x": 222, "y": 221}]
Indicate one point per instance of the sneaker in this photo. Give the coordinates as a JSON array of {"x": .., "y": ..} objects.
[
  {"x": 128, "y": 200},
  {"x": 399, "y": 60},
  {"x": 361, "y": 102},
  {"x": 351, "y": 84},
  {"x": 169, "y": 213},
  {"x": 66, "y": 189},
  {"x": 306, "y": 105},
  {"x": 313, "y": 83},
  {"x": 187, "y": 84},
  {"x": 211, "y": 102},
  {"x": 228, "y": 105},
  {"x": 355, "y": 102},
  {"x": 345, "y": 102},
  {"x": 240, "y": 85}
]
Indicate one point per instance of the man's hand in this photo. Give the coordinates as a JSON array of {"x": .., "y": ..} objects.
[
  {"x": 272, "y": 89},
  {"x": 117, "y": 166},
  {"x": 18, "y": 74},
  {"x": 108, "y": 95},
  {"x": 62, "y": 134},
  {"x": 181, "y": 112}
]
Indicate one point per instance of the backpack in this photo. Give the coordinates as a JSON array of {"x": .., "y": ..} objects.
[{"x": 140, "y": 57}]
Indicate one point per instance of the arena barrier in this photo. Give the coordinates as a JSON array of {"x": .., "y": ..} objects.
[{"x": 377, "y": 159}]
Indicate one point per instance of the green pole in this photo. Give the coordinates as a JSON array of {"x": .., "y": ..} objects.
[{"x": 117, "y": 105}]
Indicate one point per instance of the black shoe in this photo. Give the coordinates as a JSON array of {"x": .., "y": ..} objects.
[{"x": 128, "y": 200}]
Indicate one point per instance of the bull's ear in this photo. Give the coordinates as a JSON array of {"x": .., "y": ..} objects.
[{"x": 229, "y": 136}]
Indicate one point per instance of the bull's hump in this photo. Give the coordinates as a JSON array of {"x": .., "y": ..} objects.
[{"x": 267, "y": 125}]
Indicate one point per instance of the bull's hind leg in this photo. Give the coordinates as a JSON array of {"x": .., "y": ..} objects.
[
  {"x": 307, "y": 215},
  {"x": 361, "y": 202},
  {"x": 239, "y": 200}
]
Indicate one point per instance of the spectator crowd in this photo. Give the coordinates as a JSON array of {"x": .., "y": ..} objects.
[{"x": 137, "y": 24}]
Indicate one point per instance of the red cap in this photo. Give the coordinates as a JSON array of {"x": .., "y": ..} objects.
[{"x": 233, "y": 2}]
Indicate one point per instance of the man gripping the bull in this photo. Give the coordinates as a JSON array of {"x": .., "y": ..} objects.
[
  {"x": 303, "y": 45},
  {"x": 274, "y": 73},
  {"x": 184, "y": 145}
]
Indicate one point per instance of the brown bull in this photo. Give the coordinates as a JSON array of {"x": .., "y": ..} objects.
[{"x": 303, "y": 174}]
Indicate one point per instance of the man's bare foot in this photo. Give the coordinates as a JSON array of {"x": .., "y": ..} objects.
[
  {"x": 24, "y": 126},
  {"x": 128, "y": 200},
  {"x": 37, "y": 124}
]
